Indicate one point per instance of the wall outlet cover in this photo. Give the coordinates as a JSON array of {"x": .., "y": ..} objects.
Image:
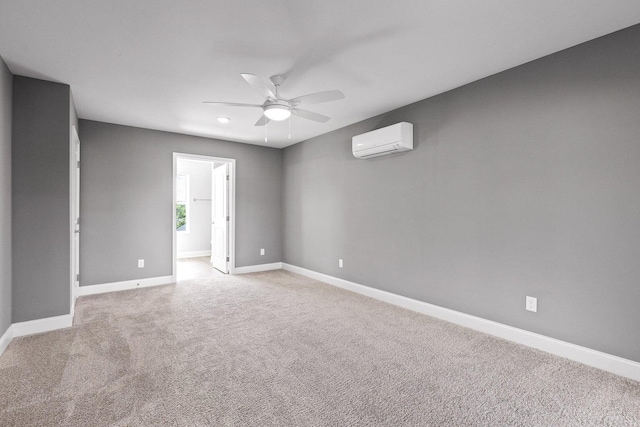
[
  {"x": 531, "y": 304},
  {"x": 140, "y": 263},
  {"x": 261, "y": 251},
  {"x": 340, "y": 263}
]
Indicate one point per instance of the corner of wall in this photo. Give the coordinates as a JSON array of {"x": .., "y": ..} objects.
[
  {"x": 40, "y": 159},
  {"x": 6, "y": 106}
]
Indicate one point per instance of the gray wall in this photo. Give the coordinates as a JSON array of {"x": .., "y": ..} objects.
[
  {"x": 40, "y": 196},
  {"x": 126, "y": 200},
  {"x": 523, "y": 183},
  {"x": 6, "y": 93}
]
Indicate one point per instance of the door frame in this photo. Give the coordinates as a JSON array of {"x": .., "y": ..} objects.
[
  {"x": 74, "y": 187},
  {"x": 232, "y": 206}
]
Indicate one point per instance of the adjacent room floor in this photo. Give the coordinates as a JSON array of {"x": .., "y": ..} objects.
[
  {"x": 195, "y": 268},
  {"x": 279, "y": 349}
]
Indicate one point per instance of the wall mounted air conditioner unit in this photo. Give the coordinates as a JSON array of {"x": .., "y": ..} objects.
[{"x": 383, "y": 141}]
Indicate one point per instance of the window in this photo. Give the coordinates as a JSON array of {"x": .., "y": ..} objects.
[{"x": 182, "y": 202}]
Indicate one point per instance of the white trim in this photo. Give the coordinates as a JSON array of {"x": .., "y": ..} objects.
[
  {"x": 257, "y": 268},
  {"x": 607, "y": 362},
  {"x": 232, "y": 206},
  {"x": 125, "y": 285},
  {"x": 73, "y": 291},
  {"x": 42, "y": 325},
  {"x": 194, "y": 254},
  {"x": 6, "y": 339}
]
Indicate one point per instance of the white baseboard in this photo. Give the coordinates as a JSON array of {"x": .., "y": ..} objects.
[
  {"x": 194, "y": 254},
  {"x": 257, "y": 268},
  {"x": 125, "y": 285},
  {"x": 6, "y": 339},
  {"x": 42, "y": 325},
  {"x": 607, "y": 362}
]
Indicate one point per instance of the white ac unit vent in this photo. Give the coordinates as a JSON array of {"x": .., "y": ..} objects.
[{"x": 383, "y": 141}]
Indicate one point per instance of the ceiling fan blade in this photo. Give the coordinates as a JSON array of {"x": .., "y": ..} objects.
[
  {"x": 317, "y": 98},
  {"x": 310, "y": 115},
  {"x": 232, "y": 104},
  {"x": 258, "y": 84},
  {"x": 262, "y": 121}
]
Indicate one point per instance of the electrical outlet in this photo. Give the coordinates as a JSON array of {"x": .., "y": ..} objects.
[
  {"x": 532, "y": 304},
  {"x": 140, "y": 263},
  {"x": 340, "y": 263},
  {"x": 261, "y": 251}
]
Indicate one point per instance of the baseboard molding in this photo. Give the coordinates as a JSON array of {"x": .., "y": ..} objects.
[
  {"x": 607, "y": 362},
  {"x": 6, "y": 339},
  {"x": 257, "y": 268},
  {"x": 42, "y": 325},
  {"x": 193, "y": 254},
  {"x": 125, "y": 285}
]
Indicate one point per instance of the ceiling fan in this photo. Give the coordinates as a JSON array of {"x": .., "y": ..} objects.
[{"x": 277, "y": 108}]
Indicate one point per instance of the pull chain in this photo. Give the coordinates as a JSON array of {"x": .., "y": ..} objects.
[
  {"x": 289, "y": 127},
  {"x": 265, "y": 133}
]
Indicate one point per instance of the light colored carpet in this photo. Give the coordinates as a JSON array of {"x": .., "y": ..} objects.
[{"x": 278, "y": 349}]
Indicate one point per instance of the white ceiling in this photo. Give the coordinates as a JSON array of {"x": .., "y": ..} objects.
[{"x": 151, "y": 63}]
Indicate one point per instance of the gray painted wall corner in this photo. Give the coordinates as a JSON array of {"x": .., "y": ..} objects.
[
  {"x": 6, "y": 96},
  {"x": 40, "y": 199}
]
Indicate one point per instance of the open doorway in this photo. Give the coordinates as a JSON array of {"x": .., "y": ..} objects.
[{"x": 204, "y": 216}]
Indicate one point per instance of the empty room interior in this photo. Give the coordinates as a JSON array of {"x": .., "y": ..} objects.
[{"x": 320, "y": 213}]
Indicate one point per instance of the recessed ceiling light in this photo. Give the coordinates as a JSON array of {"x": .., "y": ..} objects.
[{"x": 224, "y": 119}]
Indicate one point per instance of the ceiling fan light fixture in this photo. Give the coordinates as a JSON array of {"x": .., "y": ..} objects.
[{"x": 277, "y": 112}]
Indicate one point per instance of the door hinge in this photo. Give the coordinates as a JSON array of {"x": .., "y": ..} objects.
[
  {"x": 227, "y": 218},
  {"x": 78, "y": 164},
  {"x": 227, "y": 259},
  {"x": 227, "y": 177},
  {"x": 78, "y": 277}
]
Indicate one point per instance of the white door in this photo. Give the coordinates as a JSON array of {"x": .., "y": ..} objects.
[
  {"x": 220, "y": 218},
  {"x": 76, "y": 214}
]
